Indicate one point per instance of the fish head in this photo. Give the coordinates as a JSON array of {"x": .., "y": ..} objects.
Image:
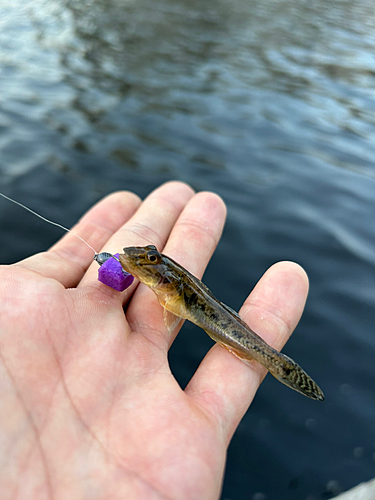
[{"x": 149, "y": 266}]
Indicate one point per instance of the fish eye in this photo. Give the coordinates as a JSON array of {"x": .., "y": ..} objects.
[{"x": 153, "y": 256}]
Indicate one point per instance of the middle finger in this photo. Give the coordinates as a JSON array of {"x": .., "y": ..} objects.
[{"x": 191, "y": 244}]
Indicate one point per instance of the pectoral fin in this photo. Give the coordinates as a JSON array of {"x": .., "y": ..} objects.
[{"x": 171, "y": 320}]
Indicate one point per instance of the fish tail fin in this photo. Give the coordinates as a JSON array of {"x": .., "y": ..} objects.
[{"x": 288, "y": 372}]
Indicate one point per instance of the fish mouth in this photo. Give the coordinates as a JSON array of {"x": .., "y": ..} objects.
[
  {"x": 134, "y": 261},
  {"x": 127, "y": 263}
]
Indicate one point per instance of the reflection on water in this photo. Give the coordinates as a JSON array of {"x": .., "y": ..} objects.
[
  {"x": 272, "y": 105},
  {"x": 143, "y": 80}
]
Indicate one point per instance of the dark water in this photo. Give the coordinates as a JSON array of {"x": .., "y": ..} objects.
[{"x": 272, "y": 105}]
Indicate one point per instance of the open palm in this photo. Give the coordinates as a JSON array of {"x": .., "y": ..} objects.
[{"x": 88, "y": 405}]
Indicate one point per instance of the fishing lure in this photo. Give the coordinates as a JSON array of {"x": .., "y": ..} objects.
[{"x": 111, "y": 272}]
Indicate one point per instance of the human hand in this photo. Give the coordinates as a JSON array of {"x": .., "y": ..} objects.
[{"x": 89, "y": 407}]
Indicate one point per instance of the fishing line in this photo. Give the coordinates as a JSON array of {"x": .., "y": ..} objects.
[{"x": 49, "y": 221}]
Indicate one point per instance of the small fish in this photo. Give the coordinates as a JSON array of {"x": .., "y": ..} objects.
[{"x": 184, "y": 296}]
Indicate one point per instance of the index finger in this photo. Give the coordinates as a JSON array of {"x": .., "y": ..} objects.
[{"x": 69, "y": 258}]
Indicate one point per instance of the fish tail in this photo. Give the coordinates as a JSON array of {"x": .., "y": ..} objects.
[{"x": 288, "y": 372}]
